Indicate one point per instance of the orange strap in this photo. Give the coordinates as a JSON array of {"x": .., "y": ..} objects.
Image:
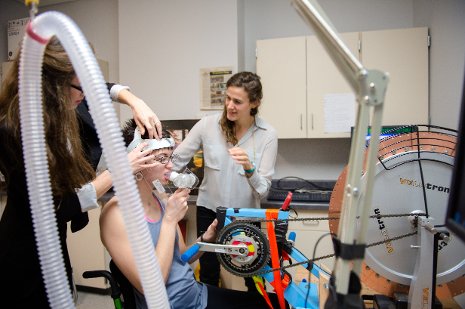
[{"x": 273, "y": 214}]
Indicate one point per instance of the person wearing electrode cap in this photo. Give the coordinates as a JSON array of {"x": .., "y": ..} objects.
[
  {"x": 162, "y": 213},
  {"x": 86, "y": 197},
  {"x": 239, "y": 150},
  {"x": 146, "y": 121},
  {"x": 74, "y": 184}
]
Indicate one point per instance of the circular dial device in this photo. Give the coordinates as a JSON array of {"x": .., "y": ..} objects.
[
  {"x": 413, "y": 173},
  {"x": 238, "y": 233}
]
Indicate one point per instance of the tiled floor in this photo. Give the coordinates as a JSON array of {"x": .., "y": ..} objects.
[{"x": 87, "y": 300}]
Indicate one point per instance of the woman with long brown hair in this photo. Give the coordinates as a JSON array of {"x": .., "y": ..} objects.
[
  {"x": 21, "y": 283},
  {"x": 239, "y": 150}
]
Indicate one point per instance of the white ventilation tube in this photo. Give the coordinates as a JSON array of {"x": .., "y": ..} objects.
[{"x": 39, "y": 31}]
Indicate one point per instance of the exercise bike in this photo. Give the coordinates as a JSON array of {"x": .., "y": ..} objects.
[{"x": 244, "y": 250}]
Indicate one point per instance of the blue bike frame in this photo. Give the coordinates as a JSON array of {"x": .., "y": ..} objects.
[{"x": 303, "y": 295}]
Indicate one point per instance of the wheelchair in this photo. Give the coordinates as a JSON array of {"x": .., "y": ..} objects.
[{"x": 122, "y": 291}]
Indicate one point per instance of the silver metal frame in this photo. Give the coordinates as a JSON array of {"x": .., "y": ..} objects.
[
  {"x": 420, "y": 293},
  {"x": 370, "y": 89}
]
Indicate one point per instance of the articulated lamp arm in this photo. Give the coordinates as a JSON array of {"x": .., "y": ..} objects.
[{"x": 370, "y": 88}]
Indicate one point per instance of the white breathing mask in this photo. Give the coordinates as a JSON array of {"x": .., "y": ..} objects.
[
  {"x": 186, "y": 179},
  {"x": 152, "y": 144}
]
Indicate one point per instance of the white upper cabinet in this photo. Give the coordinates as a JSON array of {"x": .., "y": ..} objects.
[
  {"x": 281, "y": 66},
  {"x": 329, "y": 95},
  {"x": 306, "y": 96}
]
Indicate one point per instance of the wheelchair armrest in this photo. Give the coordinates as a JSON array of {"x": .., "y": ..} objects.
[{"x": 115, "y": 290}]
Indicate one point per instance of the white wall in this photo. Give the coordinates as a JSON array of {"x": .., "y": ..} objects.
[
  {"x": 96, "y": 19},
  {"x": 9, "y": 9},
  {"x": 323, "y": 159},
  {"x": 164, "y": 44},
  {"x": 265, "y": 19},
  {"x": 446, "y": 21}
]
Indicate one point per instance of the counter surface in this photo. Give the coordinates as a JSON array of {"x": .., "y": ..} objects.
[
  {"x": 264, "y": 204},
  {"x": 276, "y": 204},
  {"x": 296, "y": 205}
]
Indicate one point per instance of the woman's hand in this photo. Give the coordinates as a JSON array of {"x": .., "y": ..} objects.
[
  {"x": 176, "y": 207},
  {"x": 241, "y": 157},
  {"x": 146, "y": 119},
  {"x": 141, "y": 159},
  {"x": 143, "y": 115},
  {"x": 210, "y": 234}
]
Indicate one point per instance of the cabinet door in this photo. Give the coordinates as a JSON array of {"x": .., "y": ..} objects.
[
  {"x": 281, "y": 66},
  {"x": 328, "y": 92},
  {"x": 403, "y": 53}
]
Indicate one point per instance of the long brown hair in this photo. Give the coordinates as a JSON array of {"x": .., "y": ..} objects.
[
  {"x": 252, "y": 85},
  {"x": 68, "y": 167}
]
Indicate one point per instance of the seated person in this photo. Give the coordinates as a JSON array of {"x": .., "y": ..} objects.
[{"x": 162, "y": 213}]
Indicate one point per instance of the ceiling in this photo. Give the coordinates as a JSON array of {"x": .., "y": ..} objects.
[{"x": 48, "y": 2}]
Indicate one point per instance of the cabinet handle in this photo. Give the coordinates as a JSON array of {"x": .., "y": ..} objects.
[{"x": 301, "y": 122}]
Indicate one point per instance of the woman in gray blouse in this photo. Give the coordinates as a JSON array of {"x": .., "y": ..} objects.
[{"x": 239, "y": 150}]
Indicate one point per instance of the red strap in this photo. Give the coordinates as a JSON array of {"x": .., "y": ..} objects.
[
  {"x": 273, "y": 214},
  {"x": 286, "y": 256},
  {"x": 286, "y": 280},
  {"x": 287, "y": 201}
]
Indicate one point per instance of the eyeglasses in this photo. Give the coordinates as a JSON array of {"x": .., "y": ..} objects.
[
  {"x": 79, "y": 88},
  {"x": 163, "y": 158}
]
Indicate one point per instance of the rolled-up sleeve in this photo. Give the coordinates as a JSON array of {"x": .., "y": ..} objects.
[
  {"x": 260, "y": 180},
  {"x": 115, "y": 90},
  {"x": 87, "y": 197}
]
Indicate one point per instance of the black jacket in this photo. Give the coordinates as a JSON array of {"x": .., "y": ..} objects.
[{"x": 21, "y": 284}]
